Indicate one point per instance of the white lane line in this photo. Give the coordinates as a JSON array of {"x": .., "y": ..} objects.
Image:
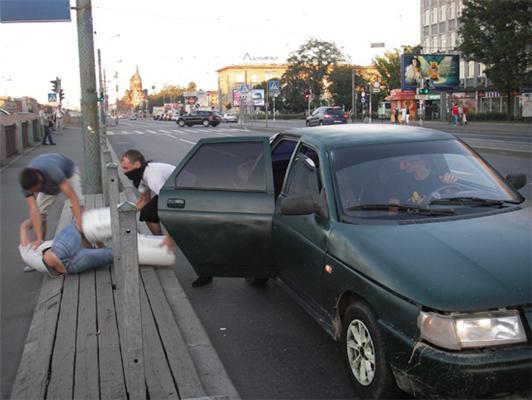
[
  {"x": 178, "y": 131},
  {"x": 187, "y": 141},
  {"x": 221, "y": 133},
  {"x": 110, "y": 133},
  {"x": 139, "y": 132},
  {"x": 126, "y": 133},
  {"x": 203, "y": 130},
  {"x": 163, "y": 131},
  {"x": 150, "y": 131}
]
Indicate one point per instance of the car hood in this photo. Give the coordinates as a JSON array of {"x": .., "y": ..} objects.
[{"x": 469, "y": 264}]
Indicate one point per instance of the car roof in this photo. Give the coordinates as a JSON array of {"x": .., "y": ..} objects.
[{"x": 366, "y": 134}]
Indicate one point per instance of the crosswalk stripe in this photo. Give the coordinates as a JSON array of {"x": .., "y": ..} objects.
[
  {"x": 187, "y": 141},
  {"x": 163, "y": 131},
  {"x": 221, "y": 133},
  {"x": 126, "y": 133},
  {"x": 139, "y": 132},
  {"x": 203, "y": 130},
  {"x": 178, "y": 131},
  {"x": 110, "y": 133},
  {"x": 150, "y": 131}
]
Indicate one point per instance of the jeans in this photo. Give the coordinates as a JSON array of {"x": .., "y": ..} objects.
[
  {"x": 76, "y": 259},
  {"x": 47, "y": 135}
]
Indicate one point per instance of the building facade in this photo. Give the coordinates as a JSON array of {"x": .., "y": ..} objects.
[
  {"x": 135, "y": 98},
  {"x": 439, "y": 25},
  {"x": 231, "y": 77}
]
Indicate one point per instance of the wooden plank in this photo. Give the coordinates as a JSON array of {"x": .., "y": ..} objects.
[
  {"x": 159, "y": 380},
  {"x": 180, "y": 361},
  {"x": 61, "y": 384},
  {"x": 32, "y": 374},
  {"x": 112, "y": 381},
  {"x": 86, "y": 385}
]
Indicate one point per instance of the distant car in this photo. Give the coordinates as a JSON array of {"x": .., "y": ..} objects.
[
  {"x": 430, "y": 293},
  {"x": 327, "y": 116},
  {"x": 133, "y": 117},
  {"x": 205, "y": 118},
  {"x": 229, "y": 117}
]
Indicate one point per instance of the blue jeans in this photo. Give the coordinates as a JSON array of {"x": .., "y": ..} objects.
[
  {"x": 47, "y": 135},
  {"x": 76, "y": 259}
]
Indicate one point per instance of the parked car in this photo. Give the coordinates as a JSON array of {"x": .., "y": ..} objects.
[
  {"x": 426, "y": 282},
  {"x": 205, "y": 118},
  {"x": 327, "y": 116},
  {"x": 230, "y": 117}
]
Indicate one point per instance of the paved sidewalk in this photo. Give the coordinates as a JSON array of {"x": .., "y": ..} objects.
[{"x": 20, "y": 289}]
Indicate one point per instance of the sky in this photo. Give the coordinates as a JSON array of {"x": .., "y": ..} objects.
[{"x": 176, "y": 42}]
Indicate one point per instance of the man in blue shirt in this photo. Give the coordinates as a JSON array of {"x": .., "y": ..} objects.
[{"x": 45, "y": 177}]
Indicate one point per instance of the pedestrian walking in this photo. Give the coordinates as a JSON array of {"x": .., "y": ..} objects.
[
  {"x": 460, "y": 114},
  {"x": 464, "y": 115},
  {"x": 396, "y": 115},
  {"x": 45, "y": 177},
  {"x": 407, "y": 115},
  {"x": 455, "y": 114},
  {"x": 403, "y": 115},
  {"x": 45, "y": 123}
]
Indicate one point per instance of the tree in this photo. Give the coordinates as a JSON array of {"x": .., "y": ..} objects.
[
  {"x": 340, "y": 81},
  {"x": 498, "y": 34},
  {"x": 308, "y": 68},
  {"x": 389, "y": 66},
  {"x": 191, "y": 87}
]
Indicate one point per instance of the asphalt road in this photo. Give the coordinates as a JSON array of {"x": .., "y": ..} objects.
[{"x": 269, "y": 345}]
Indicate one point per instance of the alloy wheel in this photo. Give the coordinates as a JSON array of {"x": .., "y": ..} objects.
[{"x": 360, "y": 352}]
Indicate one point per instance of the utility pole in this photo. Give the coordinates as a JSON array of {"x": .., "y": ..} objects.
[
  {"x": 370, "y": 108},
  {"x": 309, "y": 99},
  {"x": 266, "y": 103},
  {"x": 353, "y": 111},
  {"x": 89, "y": 109}
]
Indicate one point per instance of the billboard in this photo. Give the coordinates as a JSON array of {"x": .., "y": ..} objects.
[{"x": 442, "y": 71}]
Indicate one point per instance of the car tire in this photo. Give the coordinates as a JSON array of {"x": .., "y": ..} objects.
[
  {"x": 370, "y": 380},
  {"x": 307, "y": 124},
  {"x": 205, "y": 123},
  {"x": 256, "y": 281},
  {"x": 181, "y": 123}
]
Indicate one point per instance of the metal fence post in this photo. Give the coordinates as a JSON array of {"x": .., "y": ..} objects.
[
  {"x": 114, "y": 200},
  {"x": 18, "y": 141},
  {"x": 3, "y": 145},
  {"x": 130, "y": 294},
  {"x": 106, "y": 159}
]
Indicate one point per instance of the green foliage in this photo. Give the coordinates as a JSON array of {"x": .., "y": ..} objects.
[
  {"x": 308, "y": 68},
  {"x": 498, "y": 33},
  {"x": 340, "y": 85},
  {"x": 167, "y": 94}
]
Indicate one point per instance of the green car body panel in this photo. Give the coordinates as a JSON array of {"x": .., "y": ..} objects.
[{"x": 461, "y": 263}]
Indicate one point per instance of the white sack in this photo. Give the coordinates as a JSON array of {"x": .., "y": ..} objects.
[{"x": 96, "y": 224}]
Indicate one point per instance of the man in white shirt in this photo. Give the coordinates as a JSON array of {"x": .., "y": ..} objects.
[{"x": 150, "y": 177}]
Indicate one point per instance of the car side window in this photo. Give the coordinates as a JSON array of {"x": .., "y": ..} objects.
[
  {"x": 304, "y": 174},
  {"x": 225, "y": 166},
  {"x": 281, "y": 155}
]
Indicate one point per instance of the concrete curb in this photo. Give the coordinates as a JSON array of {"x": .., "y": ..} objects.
[{"x": 209, "y": 367}]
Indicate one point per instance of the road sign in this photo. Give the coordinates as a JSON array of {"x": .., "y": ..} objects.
[
  {"x": 421, "y": 96},
  {"x": 274, "y": 87},
  {"x": 244, "y": 88},
  {"x": 52, "y": 97},
  {"x": 34, "y": 11}
]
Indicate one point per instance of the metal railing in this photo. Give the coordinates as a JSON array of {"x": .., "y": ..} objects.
[{"x": 15, "y": 136}]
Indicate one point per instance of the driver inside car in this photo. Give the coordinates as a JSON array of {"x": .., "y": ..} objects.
[{"x": 417, "y": 181}]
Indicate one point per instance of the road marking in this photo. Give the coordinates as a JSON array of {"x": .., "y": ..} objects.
[
  {"x": 187, "y": 141},
  {"x": 203, "y": 130},
  {"x": 163, "y": 131},
  {"x": 140, "y": 132},
  {"x": 110, "y": 133},
  {"x": 222, "y": 134},
  {"x": 178, "y": 131},
  {"x": 126, "y": 133},
  {"x": 150, "y": 131}
]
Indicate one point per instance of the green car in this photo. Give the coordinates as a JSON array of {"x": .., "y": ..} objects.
[{"x": 402, "y": 242}]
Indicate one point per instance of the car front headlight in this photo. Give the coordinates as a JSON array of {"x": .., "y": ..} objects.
[{"x": 462, "y": 331}]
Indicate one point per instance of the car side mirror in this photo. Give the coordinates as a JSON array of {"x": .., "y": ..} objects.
[
  {"x": 300, "y": 205},
  {"x": 517, "y": 180}
]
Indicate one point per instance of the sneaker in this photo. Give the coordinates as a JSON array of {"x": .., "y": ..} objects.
[
  {"x": 27, "y": 268},
  {"x": 202, "y": 281}
]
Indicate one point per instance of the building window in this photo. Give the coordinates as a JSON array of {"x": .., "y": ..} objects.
[
  {"x": 470, "y": 69},
  {"x": 426, "y": 4},
  {"x": 442, "y": 27},
  {"x": 444, "y": 43},
  {"x": 443, "y": 13},
  {"x": 481, "y": 70},
  {"x": 452, "y": 10},
  {"x": 435, "y": 44},
  {"x": 434, "y": 15},
  {"x": 462, "y": 69},
  {"x": 426, "y": 45},
  {"x": 427, "y": 17},
  {"x": 434, "y": 29},
  {"x": 426, "y": 31},
  {"x": 452, "y": 24},
  {"x": 453, "y": 40}
]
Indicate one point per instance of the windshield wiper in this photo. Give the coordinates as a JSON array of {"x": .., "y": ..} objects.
[
  {"x": 411, "y": 209},
  {"x": 471, "y": 201}
]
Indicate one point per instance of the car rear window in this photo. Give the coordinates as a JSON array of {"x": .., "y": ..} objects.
[{"x": 334, "y": 111}]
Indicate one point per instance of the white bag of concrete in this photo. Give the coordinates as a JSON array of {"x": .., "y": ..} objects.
[{"x": 96, "y": 225}]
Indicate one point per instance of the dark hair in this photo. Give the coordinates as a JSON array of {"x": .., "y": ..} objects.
[
  {"x": 133, "y": 156},
  {"x": 29, "y": 177}
]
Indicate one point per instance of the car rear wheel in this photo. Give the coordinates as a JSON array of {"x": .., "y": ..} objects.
[
  {"x": 365, "y": 354},
  {"x": 181, "y": 123},
  {"x": 256, "y": 281},
  {"x": 205, "y": 123}
]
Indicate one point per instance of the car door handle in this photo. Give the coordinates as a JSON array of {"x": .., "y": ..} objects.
[{"x": 175, "y": 203}]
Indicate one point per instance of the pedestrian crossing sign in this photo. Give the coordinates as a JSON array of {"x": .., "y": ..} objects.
[
  {"x": 274, "y": 87},
  {"x": 52, "y": 97}
]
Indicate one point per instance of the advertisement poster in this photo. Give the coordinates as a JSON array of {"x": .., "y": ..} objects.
[
  {"x": 236, "y": 98},
  {"x": 441, "y": 70}
]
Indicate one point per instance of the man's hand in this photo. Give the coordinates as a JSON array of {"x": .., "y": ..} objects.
[
  {"x": 448, "y": 178},
  {"x": 36, "y": 244},
  {"x": 169, "y": 243}
]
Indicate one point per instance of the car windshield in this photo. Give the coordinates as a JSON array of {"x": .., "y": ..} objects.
[{"x": 421, "y": 176}]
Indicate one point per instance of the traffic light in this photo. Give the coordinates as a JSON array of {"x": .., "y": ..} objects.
[
  {"x": 423, "y": 91},
  {"x": 55, "y": 85},
  {"x": 100, "y": 97},
  {"x": 61, "y": 94}
]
